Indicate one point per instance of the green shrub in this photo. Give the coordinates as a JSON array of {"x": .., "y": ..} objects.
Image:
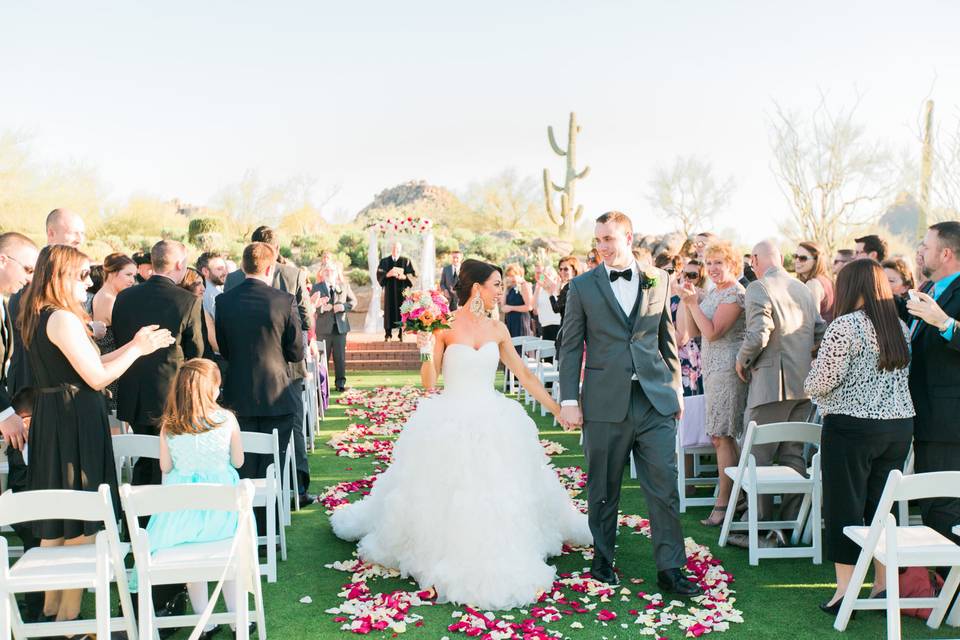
[
  {"x": 200, "y": 226},
  {"x": 358, "y": 277}
]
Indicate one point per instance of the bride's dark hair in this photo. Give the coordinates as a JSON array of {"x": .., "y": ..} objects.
[{"x": 473, "y": 272}]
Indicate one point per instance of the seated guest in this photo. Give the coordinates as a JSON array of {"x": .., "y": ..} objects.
[
  {"x": 859, "y": 381},
  {"x": 899, "y": 276},
  {"x": 872, "y": 246},
  {"x": 258, "y": 331},
  {"x": 199, "y": 443},
  {"x": 69, "y": 442},
  {"x": 120, "y": 272},
  {"x": 334, "y": 300},
  {"x": 810, "y": 263}
]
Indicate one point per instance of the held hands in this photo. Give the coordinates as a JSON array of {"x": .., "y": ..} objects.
[
  {"x": 926, "y": 308},
  {"x": 688, "y": 293},
  {"x": 570, "y": 417},
  {"x": 425, "y": 340},
  {"x": 152, "y": 337}
]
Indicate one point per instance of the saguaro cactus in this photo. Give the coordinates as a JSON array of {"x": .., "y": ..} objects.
[{"x": 564, "y": 218}]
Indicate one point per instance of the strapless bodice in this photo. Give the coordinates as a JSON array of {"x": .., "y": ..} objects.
[{"x": 469, "y": 370}]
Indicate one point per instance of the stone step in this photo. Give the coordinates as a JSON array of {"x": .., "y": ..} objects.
[
  {"x": 381, "y": 346},
  {"x": 366, "y": 356},
  {"x": 383, "y": 365}
]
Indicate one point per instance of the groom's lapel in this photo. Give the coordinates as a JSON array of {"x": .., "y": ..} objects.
[
  {"x": 603, "y": 283},
  {"x": 647, "y": 298}
]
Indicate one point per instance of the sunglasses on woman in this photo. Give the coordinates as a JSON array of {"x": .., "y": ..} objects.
[
  {"x": 84, "y": 275},
  {"x": 691, "y": 275},
  {"x": 800, "y": 258}
]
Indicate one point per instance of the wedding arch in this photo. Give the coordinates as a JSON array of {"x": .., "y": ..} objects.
[{"x": 396, "y": 227}]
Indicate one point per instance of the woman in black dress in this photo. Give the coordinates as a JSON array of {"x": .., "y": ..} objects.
[
  {"x": 69, "y": 439},
  {"x": 517, "y": 303}
]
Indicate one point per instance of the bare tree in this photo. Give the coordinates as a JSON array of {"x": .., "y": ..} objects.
[
  {"x": 830, "y": 174},
  {"x": 944, "y": 180},
  {"x": 688, "y": 193},
  {"x": 507, "y": 201}
]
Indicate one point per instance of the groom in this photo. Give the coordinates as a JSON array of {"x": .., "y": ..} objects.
[{"x": 631, "y": 397}]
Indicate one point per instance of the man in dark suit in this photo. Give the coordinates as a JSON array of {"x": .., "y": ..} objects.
[
  {"x": 287, "y": 277},
  {"x": 142, "y": 390},
  {"x": 18, "y": 255},
  {"x": 935, "y": 369},
  {"x": 448, "y": 278},
  {"x": 258, "y": 330},
  {"x": 335, "y": 299}
]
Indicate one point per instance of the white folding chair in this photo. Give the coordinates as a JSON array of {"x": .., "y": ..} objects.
[
  {"x": 691, "y": 428},
  {"x": 530, "y": 353},
  {"x": 82, "y": 566},
  {"x": 509, "y": 379},
  {"x": 547, "y": 372},
  {"x": 903, "y": 506},
  {"x": 17, "y": 550},
  {"x": 322, "y": 346},
  {"x": 127, "y": 447},
  {"x": 904, "y": 546},
  {"x": 774, "y": 479},
  {"x": 230, "y": 559},
  {"x": 268, "y": 494}
]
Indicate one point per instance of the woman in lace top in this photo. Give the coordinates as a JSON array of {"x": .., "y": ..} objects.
[
  {"x": 719, "y": 320},
  {"x": 859, "y": 382}
]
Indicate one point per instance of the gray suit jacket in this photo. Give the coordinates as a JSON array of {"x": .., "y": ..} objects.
[
  {"x": 448, "y": 281},
  {"x": 615, "y": 350},
  {"x": 327, "y": 319},
  {"x": 782, "y": 325}
]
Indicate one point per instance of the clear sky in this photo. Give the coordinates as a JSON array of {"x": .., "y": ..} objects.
[{"x": 179, "y": 98}]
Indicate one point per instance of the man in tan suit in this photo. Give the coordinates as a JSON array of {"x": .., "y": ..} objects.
[{"x": 782, "y": 326}]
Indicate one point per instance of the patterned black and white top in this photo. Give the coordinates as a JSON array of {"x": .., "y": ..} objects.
[{"x": 845, "y": 377}]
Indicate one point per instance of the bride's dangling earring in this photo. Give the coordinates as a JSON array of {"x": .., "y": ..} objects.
[{"x": 476, "y": 306}]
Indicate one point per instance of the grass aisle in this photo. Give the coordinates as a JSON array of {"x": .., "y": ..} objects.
[{"x": 778, "y": 599}]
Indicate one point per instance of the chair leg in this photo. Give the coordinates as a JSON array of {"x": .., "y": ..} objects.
[
  {"x": 946, "y": 594},
  {"x": 242, "y": 613},
  {"x": 801, "y": 519},
  {"x": 271, "y": 540},
  {"x": 102, "y": 592},
  {"x": 816, "y": 526},
  {"x": 893, "y": 596},
  {"x": 729, "y": 514},
  {"x": 5, "y": 615},
  {"x": 853, "y": 590},
  {"x": 145, "y": 612},
  {"x": 682, "y": 477},
  {"x": 753, "y": 532}
]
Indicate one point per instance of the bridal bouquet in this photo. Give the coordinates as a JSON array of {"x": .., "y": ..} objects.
[{"x": 425, "y": 312}]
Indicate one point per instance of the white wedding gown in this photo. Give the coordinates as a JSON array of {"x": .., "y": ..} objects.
[{"x": 470, "y": 504}]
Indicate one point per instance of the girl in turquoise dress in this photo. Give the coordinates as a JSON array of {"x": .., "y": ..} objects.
[{"x": 199, "y": 443}]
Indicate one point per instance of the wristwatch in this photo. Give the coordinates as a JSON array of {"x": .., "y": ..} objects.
[{"x": 949, "y": 324}]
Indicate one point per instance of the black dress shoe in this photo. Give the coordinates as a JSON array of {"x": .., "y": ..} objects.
[
  {"x": 306, "y": 499},
  {"x": 341, "y": 389},
  {"x": 673, "y": 581},
  {"x": 605, "y": 573},
  {"x": 206, "y": 635},
  {"x": 834, "y": 609}
]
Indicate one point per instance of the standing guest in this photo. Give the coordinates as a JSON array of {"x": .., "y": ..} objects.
[
  {"x": 335, "y": 299},
  {"x": 394, "y": 273},
  {"x": 899, "y": 276},
  {"x": 69, "y": 441},
  {"x": 719, "y": 320},
  {"x": 935, "y": 371},
  {"x": 517, "y": 302},
  {"x": 860, "y": 383},
  {"x": 194, "y": 283},
  {"x": 144, "y": 266},
  {"x": 593, "y": 259},
  {"x": 843, "y": 257},
  {"x": 18, "y": 256},
  {"x": 448, "y": 279},
  {"x": 695, "y": 273},
  {"x": 688, "y": 351},
  {"x": 288, "y": 278},
  {"x": 144, "y": 387},
  {"x": 548, "y": 286},
  {"x": 63, "y": 227},
  {"x": 120, "y": 272},
  {"x": 213, "y": 267},
  {"x": 810, "y": 263},
  {"x": 567, "y": 269},
  {"x": 199, "y": 442},
  {"x": 782, "y": 325},
  {"x": 259, "y": 333},
  {"x": 748, "y": 274},
  {"x": 872, "y": 246},
  {"x": 922, "y": 281},
  {"x": 700, "y": 242}
]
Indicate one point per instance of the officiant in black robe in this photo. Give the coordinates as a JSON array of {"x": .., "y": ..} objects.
[{"x": 395, "y": 274}]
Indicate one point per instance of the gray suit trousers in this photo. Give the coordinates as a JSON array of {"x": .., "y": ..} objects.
[{"x": 650, "y": 437}]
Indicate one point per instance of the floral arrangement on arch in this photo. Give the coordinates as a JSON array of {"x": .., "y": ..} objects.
[{"x": 408, "y": 224}]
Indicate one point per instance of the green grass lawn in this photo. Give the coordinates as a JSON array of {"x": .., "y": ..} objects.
[{"x": 778, "y": 598}]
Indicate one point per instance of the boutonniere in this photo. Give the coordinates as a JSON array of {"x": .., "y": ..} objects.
[{"x": 648, "y": 280}]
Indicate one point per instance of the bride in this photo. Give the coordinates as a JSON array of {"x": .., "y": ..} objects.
[{"x": 470, "y": 505}]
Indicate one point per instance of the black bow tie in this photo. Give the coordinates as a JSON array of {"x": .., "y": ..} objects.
[{"x": 626, "y": 274}]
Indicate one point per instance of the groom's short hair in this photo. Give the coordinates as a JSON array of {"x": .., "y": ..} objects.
[{"x": 617, "y": 217}]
